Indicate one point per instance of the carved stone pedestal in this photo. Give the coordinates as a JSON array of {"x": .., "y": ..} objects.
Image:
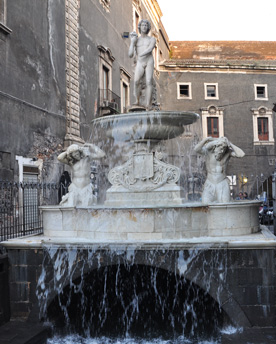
[
  {"x": 144, "y": 180},
  {"x": 121, "y": 197}
]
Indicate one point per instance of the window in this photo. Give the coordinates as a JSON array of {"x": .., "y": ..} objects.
[
  {"x": 125, "y": 95},
  {"x": 105, "y": 67},
  {"x": 105, "y": 82},
  {"x": 137, "y": 19},
  {"x": 137, "y": 8},
  {"x": 125, "y": 82},
  {"x": 211, "y": 91},
  {"x": 261, "y": 92},
  {"x": 213, "y": 126},
  {"x": 263, "y": 126},
  {"x": 212, "y": 121},
  {"x": 105, "y": 74},
  {"x": 184, "y": 90}
]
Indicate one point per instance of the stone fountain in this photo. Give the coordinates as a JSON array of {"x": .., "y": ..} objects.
[
  {"x": 144, "y": 179},
  {"x": 144, "y": 222},
  {"x": 144, "y": 201}
]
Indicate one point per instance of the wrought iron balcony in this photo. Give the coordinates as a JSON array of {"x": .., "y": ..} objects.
[{"x": 109, "y": 101}]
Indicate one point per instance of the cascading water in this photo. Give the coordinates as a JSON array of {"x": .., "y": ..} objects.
[
  {"x": 125, "y": 136},
  {"x": 128, "y": 295}
]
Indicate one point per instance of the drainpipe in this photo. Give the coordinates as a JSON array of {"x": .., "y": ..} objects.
[{"x": 274, "y": 198}]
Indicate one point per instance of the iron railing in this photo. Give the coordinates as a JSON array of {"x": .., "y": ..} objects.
[
  {"x": 20, "y": 213},
  {"x": 19, "y": 207},
  {"x": 108, "y": 100}
]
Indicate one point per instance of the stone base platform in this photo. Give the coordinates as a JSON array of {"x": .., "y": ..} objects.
[
  {"x": 118, "y": 196},
  {"x": 152, "y": 223}
]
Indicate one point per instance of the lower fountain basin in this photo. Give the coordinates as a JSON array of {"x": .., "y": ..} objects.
[
  {"x": 143, "y": 126},
  {"x": 152, "y": 223}
]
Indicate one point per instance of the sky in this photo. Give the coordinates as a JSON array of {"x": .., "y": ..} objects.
[{"x": 219, "y": 20}]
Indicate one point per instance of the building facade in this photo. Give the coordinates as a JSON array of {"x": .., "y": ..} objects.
[
  {"x": 232, "y": 86},
  {"x": 63, "y": 63}
]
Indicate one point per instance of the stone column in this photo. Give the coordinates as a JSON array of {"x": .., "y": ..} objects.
[{"x": 72, "y": 73}]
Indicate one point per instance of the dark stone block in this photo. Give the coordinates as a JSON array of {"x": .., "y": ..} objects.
[
  {"x": 250, "y": 258},
  {"x": 253, "y": 276},
  {"x": 250, "y": 277},
  {"x": 252, "y": 295},
  {"x": 24, "y": 333},
  {"x": 261, "y": 316}
]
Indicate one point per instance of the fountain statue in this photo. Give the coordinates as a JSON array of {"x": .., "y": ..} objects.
[
  {"x": 79, "y": 158},
  {"x": 218, "y": 151},
  {"x": 142, "y": 47},
  {"x": 144, "y": 200}
]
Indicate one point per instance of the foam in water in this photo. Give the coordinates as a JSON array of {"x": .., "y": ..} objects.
[{"x": 75, "y": 339}]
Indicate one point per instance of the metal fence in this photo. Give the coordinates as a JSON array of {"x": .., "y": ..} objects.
[
  {"x": 19, "y": 207},
  {"x": 20, "y": 203}
]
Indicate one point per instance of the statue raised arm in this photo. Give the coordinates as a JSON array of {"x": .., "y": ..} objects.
[
  {"x": 218, "y": 152},
  {"x": 79, "y": 158}
]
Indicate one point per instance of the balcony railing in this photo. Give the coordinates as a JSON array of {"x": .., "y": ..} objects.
[{"x": 108, "y": 101}]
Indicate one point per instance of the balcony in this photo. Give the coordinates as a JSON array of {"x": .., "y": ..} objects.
[{"x": 108, "y": 102}]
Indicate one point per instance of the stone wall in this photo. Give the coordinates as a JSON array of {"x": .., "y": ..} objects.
[
  {"x": 25, "y": 269},
  {"x": 32, "y": 95},
  {"x": 242, "y": 281},
  {"x": 50, "y": 73}
]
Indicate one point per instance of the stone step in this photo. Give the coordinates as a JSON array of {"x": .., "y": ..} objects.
[{"x": 16, "y": 332}]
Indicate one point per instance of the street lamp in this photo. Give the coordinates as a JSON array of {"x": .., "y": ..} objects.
[{"x": 244, "y": 181}]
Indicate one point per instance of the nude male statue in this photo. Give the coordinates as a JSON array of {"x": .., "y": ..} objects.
[
  {"x": 218, "y": 152},
  {"x": 142, "y": 47},
  {"x": 79, "y": 158}
]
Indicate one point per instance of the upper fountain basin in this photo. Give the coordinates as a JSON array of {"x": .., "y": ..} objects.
[{"x": 143, "y": 126}]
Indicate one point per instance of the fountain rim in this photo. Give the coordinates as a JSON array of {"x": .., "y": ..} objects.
[
  {"x": 144, "y": 126},
  {"x": 263, "y": 239},
  {"x": 235, "y": 203},
  {"x": 147, "y": 114}
]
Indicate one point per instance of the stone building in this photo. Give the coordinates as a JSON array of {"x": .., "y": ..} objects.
[
  {"x": 62, "y": 63},
  {"x": 232, "y": 86}
]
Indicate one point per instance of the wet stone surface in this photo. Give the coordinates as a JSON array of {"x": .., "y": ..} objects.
[{"x": 251, "y": 336}]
